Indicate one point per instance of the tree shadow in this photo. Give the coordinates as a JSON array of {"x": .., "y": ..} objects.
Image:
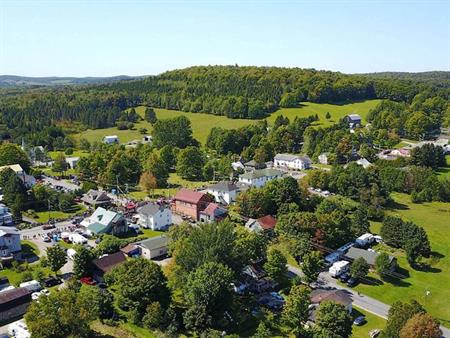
[
  {"x": 396, "y": 281},
  {"x": 436, "y": 255},
  {"x": 398, "y": 206},
  {"x": 424, "y": 267},
  {"x": 371, "y": 281}
]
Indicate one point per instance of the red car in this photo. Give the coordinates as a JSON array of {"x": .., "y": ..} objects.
[
  {"x": 48, "y": 226},
  {"x": 87, "y": 281}
]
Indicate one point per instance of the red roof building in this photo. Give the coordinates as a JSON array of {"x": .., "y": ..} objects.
[
  {"x": 213, "y": 213},
  {"x": 190, "y": 203},
  {"x": 266, "y": 223}
]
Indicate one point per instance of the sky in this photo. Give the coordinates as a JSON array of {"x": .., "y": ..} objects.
[{"x": 137, "y": 37}]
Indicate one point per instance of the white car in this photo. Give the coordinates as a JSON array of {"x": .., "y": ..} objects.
[{"x": 37, "y": 295}]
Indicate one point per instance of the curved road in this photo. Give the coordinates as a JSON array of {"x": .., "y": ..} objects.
[{"x": 364, "y": 302}]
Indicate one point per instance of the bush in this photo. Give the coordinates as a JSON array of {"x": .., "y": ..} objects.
[{"x": 69, "y": 151}]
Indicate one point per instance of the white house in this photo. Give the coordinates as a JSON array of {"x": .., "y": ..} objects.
[
  {"x": 6, "y": 217},
  {"x": 354, "y": 120},
  {"x": 10, "y": 246},
  {"x": 72, "y": 161},
  {"x": 364, "y": 163},
  {"x": 213, "y": 213},
  {"x": 110, "y": 139},
  {"x": 153, "y": 247},
  {"x": 223, "y": 192},
  {"x": 28, "y": 180},
  {"x": 259, "y": 178},
  {"x": 155, "y": 217},
  {"x": 290, "y": 161},
  {"x": 323, "y": 158}
]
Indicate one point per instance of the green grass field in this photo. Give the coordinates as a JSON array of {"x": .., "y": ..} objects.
[
  {"x": 337, "y": 111},
  {"x": 434, "y": 218},
  {"x": 203, "y": 123},
  {"x": 44, "y": 216},
  {"x": 201, "y": 126},
  {"x": 444, "y": 173},
  {"x": 373, "y": 322}
]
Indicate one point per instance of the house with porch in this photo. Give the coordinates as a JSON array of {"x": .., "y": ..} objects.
[
  {"x": 10, "y": 247},
  {"x": 290, "y": 161},
  {"x": 259, "y": 178},
  {"x": 154, "y": 216}
]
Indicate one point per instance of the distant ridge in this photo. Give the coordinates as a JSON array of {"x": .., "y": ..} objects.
[
  {"x": 436, "y": 77},
  {"x": 24, "y": 81}
]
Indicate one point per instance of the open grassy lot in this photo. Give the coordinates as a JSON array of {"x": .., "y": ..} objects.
[
  {"x": 444, "y": 172},
  {"x": 203, "y": 123},
  {"x": 125, "y": 330},
  {"x": 76, "y": 153},
  {"x": 337, "y": 111},
  {"x": 44, "y": 216},
  {"x": 373, "y": 322},
  {"x": 434, "y": 218}
]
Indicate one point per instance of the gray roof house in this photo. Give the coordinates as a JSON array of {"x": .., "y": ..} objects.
[
  {"x": 96, "y": 198},
  {"x": 354, "y": 120},
  {"x": 369, "y": 256},
  {"x": 290, "y": 161},
  {"x": 154, "y": 216},
  {"x": 259, "y": 178},
  {"x": 224, "y": 192},
  {"x": 10, "y": 247},
  {"x": 153, "y": 247}
]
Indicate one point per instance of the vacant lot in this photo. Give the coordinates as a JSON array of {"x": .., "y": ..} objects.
[
  {"x": 203, "y": 123},
  {"x": 434, "y": 218},
  {"x": 321, "y": 109}
]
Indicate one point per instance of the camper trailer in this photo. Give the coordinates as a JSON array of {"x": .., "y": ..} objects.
[
  {"x": 71, "y": 253},
  {"x": 32, "y": 285},
  {"x": 338, "y": 268}
]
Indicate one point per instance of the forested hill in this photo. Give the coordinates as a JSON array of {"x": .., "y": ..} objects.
[
  {"x": 436, "y": 77},
  {"x": 24, "y": 81},
  {"x": 232, "y": 91}
]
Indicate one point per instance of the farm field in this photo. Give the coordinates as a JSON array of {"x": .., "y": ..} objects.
[
  {"x": 337, "y": 111},
  {"x": 433, "y": 217},
  {"x": 203, "y": 123}
]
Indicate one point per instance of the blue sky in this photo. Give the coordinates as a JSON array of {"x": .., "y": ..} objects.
[{"x": 104, "y": 38}]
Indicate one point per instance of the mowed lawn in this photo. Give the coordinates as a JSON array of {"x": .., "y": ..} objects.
[
  {"x": 372, "y": 322},
  {"x": 444, "y": 172},
  {"x": 337, "y": 111},
  {"x": 435, "y": 219},
  {"x": 203, "y": 123}
]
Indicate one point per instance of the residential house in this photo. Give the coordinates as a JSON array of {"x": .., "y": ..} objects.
[
  {"x": 104, "y": 221},
  {"x": 13, "y": 304},
  {"x": 111, "y": 139},
  {"x": 28, "y": 180},
  {"x": 153, "y": 247},
  {"x": 354, "y": 120},
  {"x": 364, "y": 163},
  {"x": 324, "y": 295},
  {"x": 213, "y": 213},
  {"x": 130, "y": 250},
  {"x": 289, "y": 161},
  {"x": 266, "y": 223},
  {"x": 72, "y": 161},
  {"x": 6, "y": 217},
  {"x": 256, "y": 280},
  {"x": 401, "y": 152},
  {"x": 223, "y": 192},
  {"x": 10, "y": 247},
  {"x": 238, "y": 165},
  {"x": 106, "y": 263},
  {"x": 95, "y": 198},
  {"x": 369, "y": 256},
  {"x": 323, "y": 158},
  {"x": 154, "y": 216},
  {"x": 252, "y": 165},
  {"x": 189, "y": 203},
  {"x": 259, "y": 178}
]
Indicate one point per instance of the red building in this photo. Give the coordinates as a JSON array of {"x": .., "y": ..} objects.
[{"x": 190, "y": 203}]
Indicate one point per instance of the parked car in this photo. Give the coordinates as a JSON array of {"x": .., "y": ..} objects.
[
  {"x": 87, "y": 281},
  {"x": 351, "y": 282},
  {"x": 52, "y": 281},
  {"x": 46, "y": 239},
  {"x": 344, "y": 277},
  {"x": 374, "y": 333},
  {"x": 48, "y": 226},
  {"x": 359, "y": 321}
]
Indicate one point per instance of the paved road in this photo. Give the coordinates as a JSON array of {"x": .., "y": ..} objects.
[{"x": 364, "y": 302}]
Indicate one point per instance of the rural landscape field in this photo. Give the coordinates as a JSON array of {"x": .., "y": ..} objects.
[{"x": 224, "y": 169}]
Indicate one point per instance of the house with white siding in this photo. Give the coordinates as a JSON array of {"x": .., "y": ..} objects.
[
  {"x": 154, "y": 216},
  {"x": 259, "y": 178},
  {"x": 289, "y": 161}
]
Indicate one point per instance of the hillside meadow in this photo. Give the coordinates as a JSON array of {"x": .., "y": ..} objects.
[{"x": 203, "y": 123}]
